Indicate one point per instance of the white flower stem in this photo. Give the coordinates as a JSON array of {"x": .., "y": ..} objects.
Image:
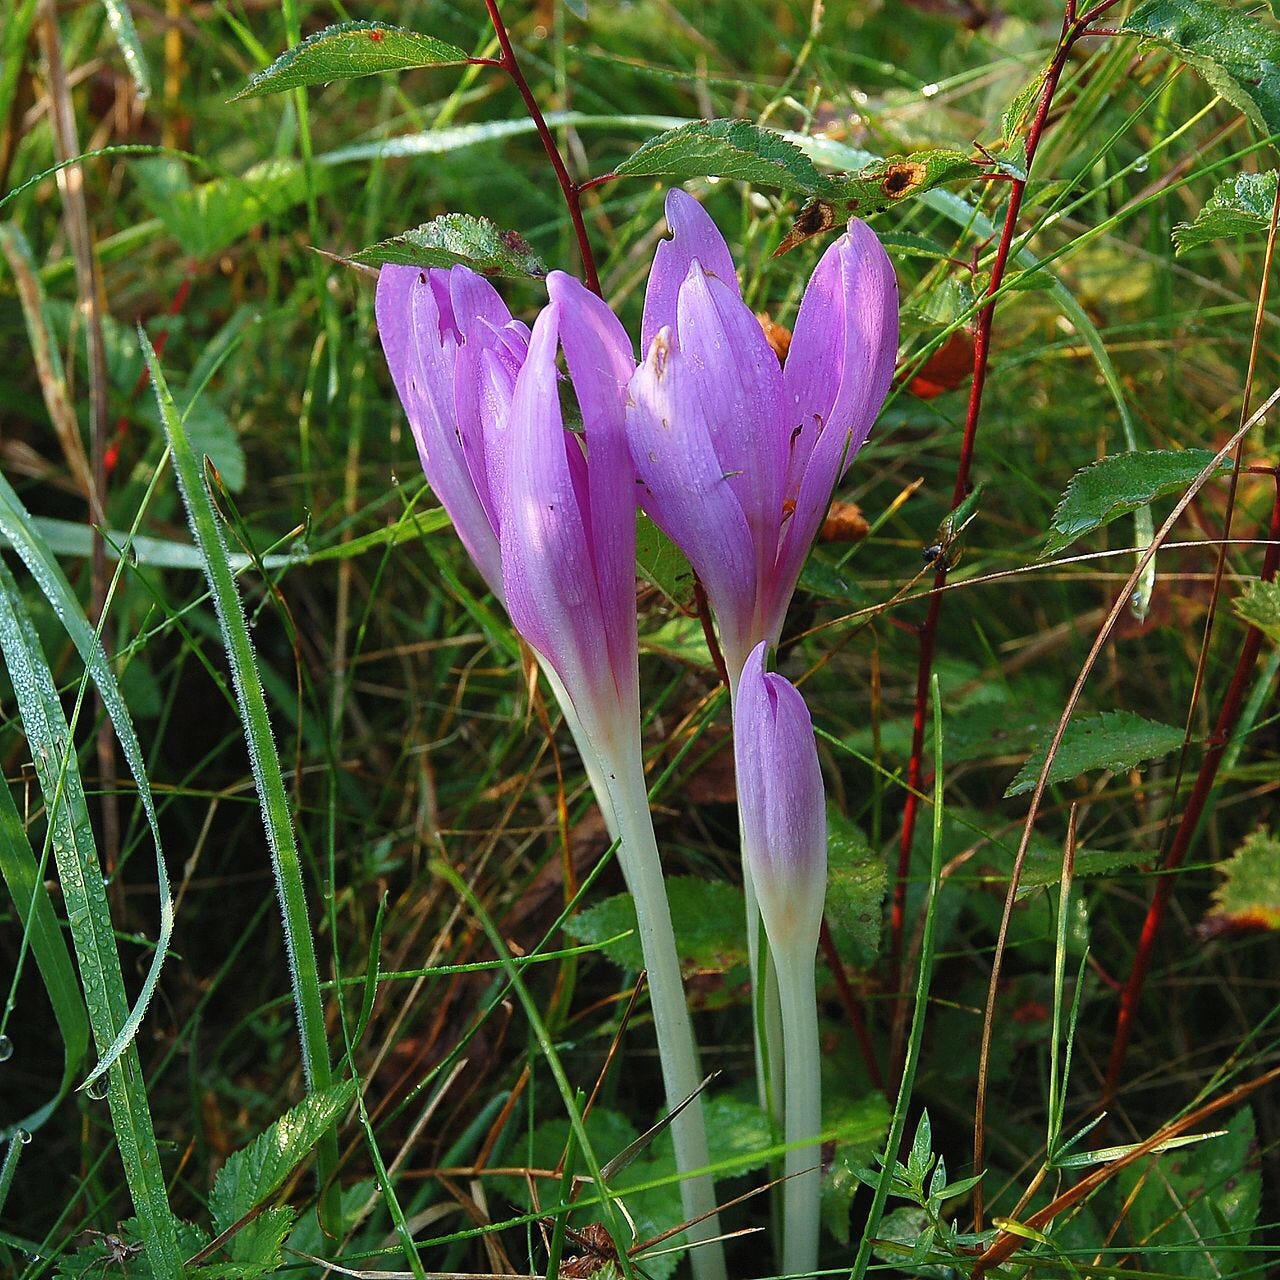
[
  {"x": 803, "y": 1188},
  {"x": 680, "y": 1072},
  {"x": 590, "y": 760}
]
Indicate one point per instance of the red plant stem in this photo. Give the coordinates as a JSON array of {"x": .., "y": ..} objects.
[
  {"x": 1071, "y": 30},
  {"x": 572, "y": 191},
  {"x": 849, "y": 998},
  {"x": 1190, "y": 821},
  {"x": 1227, "y": 715}
]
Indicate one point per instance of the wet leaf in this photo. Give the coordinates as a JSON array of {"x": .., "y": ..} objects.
[
  {"x": 856, "y": 881},
  {"x": 1248, "y": 899},
  {"x": 1241, "y": 206},
  {"x": 734, "y": 149},
  {"x": 1260, "y": 607},
  {"x": 253, "y": 1174},
  {"x": 1118, "y": 484},
  {"x": 458, "y": 237},
  {"x": 1110, "y": 740},
  {"x": 1235, "y": 52},
  {"x": 347, "y": 50}
]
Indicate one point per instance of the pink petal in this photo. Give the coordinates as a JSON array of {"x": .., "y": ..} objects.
[
  {"x": 686, "y": 491},
  {"x": 694, "y": 238},
  {"x": 549, "y": 548}
]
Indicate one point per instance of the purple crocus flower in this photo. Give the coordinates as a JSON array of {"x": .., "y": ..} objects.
[
  {"x": 738, "y": 454},
  {"x": 569, "y": 543},
  {"x": 784, "y": 846},
  {"x": 548, "y": 516},
  {"x": 454, "y": 352}
]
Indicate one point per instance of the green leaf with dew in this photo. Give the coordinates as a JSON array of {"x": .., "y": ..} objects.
[
  {"x": 34, "y": 909},
  {"x": 350, "y": 49},
  {"x": 458, "y": 238},
  {"x": 1259, "y": 606},
  {"x": 1118, "y": 484},
  {"x": 1240, "y": 206},
  {"x": 1112, "y": 740},
  {"x": 1248, "y": 899},
  {"x": 122, "y": 27},
  {"x": 856, "y": 881},
  {"x": 1238, "y": 54},
  {"x": 735, "y": 149},
  {"x": 255, "y": 1173}
]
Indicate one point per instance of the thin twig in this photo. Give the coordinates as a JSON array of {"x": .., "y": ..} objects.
[
  {"x": 1042, "y": 782},
  {"x": 1223, "y": 728},
  {"x": 89, "y": 287},
  {"x": 1071, "y": 31},
  {"x": 572, "y": 191}
]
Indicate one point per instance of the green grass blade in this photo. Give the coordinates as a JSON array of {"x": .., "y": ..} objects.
[
  {"x": 83, "y": 888},
  {"x": 264, "y": 759},
  {"x": 18, "y": 528},
  {"x": 24, "y": 878},
  {"x": 923, "y": 977},
  {"x": 126, "y": 35}
]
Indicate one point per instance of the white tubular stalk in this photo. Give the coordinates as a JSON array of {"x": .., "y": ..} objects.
[
  {"x": 680, "y": 1072},
  {"x": 590, "y": 760},
  {"x": 802, "y": 1190}
]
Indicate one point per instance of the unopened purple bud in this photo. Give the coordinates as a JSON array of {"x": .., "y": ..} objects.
[{"x": 780, "y": 795}]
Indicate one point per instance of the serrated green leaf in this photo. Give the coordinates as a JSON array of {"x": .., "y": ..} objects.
[
  {"x": 891, "y": 181},
  {"x": 1236, "y": 53},
  {"x": 347, "y": 50},
  {"x": 257, "y": 1171},
  {"x": 207, "y": 217},
  {"x": 1260, "y": 607},
  {"x": 856, "y": 880},
  {"x": 1248, "y": 899},
  {"x": 255, "y": 1248},
  {"x": 1118, "y": 484},
  {"x": 458, "y": 237},
  {"x": 1017, "y": 111},
  {"x": 707, "y": 916},
  {"x": 1240, "y": 206},
  {"x": 734, "y": 149},
  {"x": 1110, "y": 740}
]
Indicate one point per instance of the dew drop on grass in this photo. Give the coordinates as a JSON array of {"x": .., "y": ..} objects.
[
  {"x": 6, "y": 1048},
  {"x": 1141, "y": 164},
  {"x": 22, "y": 1136},
  {"x": 98, "y": 1089}
]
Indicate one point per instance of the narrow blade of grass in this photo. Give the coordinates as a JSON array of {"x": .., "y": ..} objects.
[
  {"x": 264, "y": 760},
  {"x": 18, "y": 528},
  {"x": 83, "y": 888},
  {"x": 24, "y": 878}
]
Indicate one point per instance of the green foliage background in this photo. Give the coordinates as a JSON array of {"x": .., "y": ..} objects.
[{"x": 402, "y": 731}]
